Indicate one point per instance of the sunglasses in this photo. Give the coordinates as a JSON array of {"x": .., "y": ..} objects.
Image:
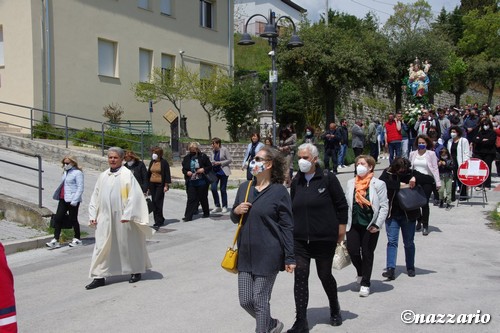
[{"x": 260, "y": 159}]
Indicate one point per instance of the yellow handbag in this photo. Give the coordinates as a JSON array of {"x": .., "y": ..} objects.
[{"x": 230, "y": 260}]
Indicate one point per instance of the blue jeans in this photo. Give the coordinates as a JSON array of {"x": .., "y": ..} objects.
[
  {"x": 394, "y": 150},
  {"x": 342, "y": 151},
  {"x": 407, "y": 227},
  {"x": 223, "y": 191}
]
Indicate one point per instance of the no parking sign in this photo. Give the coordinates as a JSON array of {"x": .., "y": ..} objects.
[{"x": 473, "y": 172}]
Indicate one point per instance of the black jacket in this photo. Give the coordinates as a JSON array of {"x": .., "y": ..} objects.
[
  {"x": 318, "y": 207},
  {"x": 165, "y": 172},
  {"x": 485, "y": 142},
  {"x": 265, "y": 243},
  {"x": 140, "y": 173},
  {"x": 393, "y": 183},
  {"x": 203, "y": 160}
]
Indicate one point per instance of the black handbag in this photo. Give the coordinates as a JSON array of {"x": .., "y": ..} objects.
[
  {"x": 150, "y": 205},
  {"x": 411, "y": 199},
  {"x": 211, "y": 176},
  {"x": 66, "y": 223}
]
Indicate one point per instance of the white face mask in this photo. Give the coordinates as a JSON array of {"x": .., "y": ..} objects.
[
  {"x": 486, "y": 127},
  {"x": 154, "y": 156},
  {"x": 130, "y": 163},
  {"x": 308, "y": 133},
  {"x": 305, "y": 165},
  {"x": 361, "y": 170},
  {"x": 68, "y": 166},
  {"x": 453, "y": 135},
  {"x": 256, "y": 167}
]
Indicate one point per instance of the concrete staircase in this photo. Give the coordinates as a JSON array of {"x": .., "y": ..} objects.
[
  {"x": 237, "y": 151},
  {"x": 7, "y": 128}
]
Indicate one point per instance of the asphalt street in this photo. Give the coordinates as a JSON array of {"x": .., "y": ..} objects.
[{"x": 457, "y": 267}]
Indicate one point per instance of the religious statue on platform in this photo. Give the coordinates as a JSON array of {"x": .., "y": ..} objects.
[
  {"x": 265, "y": 103},
  {"x": 418, "y": 78}
]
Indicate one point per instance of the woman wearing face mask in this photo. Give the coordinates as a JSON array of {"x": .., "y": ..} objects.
[
  {"x": 458, "y": 147},
  {"x": 134, "y": 164},
  {"x": 194, "y": 167},
  {"x": 309, "y": 135},
  {"x": 69, "y": 193},
  {"x": 265, "y": 243},
  {"x": 320, "y": 217},
  {"x": 253, "y": 147},
  {"x": 159, "y": 179},
  {"x": 424, "y": 160},
  {"x": 397, "y": 176},
  {"x": 368, "y": 208},
  {"x": 485, "y": 147}
]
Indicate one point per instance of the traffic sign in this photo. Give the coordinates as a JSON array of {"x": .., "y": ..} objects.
[{"x": 473, "y": 172}]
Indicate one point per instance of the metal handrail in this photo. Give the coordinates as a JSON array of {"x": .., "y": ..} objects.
[
  {"x": 39, "y": 170},
  {"x": 67, "y": 129}
]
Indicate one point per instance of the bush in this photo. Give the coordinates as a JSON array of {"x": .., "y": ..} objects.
[
  {"x": 86, "y": 136},
  {"x": 45, "y": 130}
]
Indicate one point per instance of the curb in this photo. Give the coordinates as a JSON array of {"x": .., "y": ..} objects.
[{"x": 26, "y": 244}]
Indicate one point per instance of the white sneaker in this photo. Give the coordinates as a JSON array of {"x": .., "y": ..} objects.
[
  {"x": 75, "y": 242},
  {"x": 53, "y": 244},
  {"x": 364, "y": 291},
  {"x": 224, "y": 210},
  {"x": 216, "y": 210},
  {"x": 358, "y": 279}
]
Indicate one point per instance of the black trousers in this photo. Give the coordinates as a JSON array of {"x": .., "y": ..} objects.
[
  {"x": 361, "y": 245},
  {"x": 331, "y": 153},
  {"x": 428, "y": 187},
  {"x": 488, "y": 159},
  {"x": 62, "y": 208},
  {"x": 157, "y": 197},
  {"x": 357, "y": 151},
  {"x": 374, "y": 150},
  {"x": 196, "y": 194}
]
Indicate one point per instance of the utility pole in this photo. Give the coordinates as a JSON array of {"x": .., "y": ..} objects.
[{"x": 326, "y": 12}]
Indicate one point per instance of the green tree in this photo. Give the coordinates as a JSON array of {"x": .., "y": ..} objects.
[
  {"x": 171, "y": 85},
  {"x": 347, "y": 54},
  {"x": 480, "y": 45},
  {"x": 209, "y": 91},
  {"x": 455, "y": 77},
  {"x": 468, "y": 5},
  {"x": 239, "y": 103}
]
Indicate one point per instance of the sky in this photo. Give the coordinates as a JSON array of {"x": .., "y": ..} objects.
[{"x": 383, "y": 9}]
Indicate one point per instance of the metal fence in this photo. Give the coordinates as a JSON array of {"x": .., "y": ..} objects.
[
  {"x": 73, "y": 129},
  {"x": 39, "y": 170}
]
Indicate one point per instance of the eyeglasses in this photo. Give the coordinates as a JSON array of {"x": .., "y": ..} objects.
[{"x": 260, "y": 159}]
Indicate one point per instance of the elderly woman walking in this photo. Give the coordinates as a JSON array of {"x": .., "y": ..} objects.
[
  {"x": 265, "y": 243},
  {"x": 368, "y": 207}
]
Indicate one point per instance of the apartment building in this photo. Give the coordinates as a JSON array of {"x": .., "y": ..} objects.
[
  {"x": 243, "y": 9},
  {"x": 77, "y": 56}
]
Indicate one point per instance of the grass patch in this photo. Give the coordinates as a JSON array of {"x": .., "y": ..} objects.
[
  {"x": 494, "y": 217},
  {"x": 2, "y": 215}
]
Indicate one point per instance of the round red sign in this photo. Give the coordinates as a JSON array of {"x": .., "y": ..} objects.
[{"x": 473, "y": 172}]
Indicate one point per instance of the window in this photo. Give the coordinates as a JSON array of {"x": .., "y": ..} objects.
[
  {"x": 167, "y": 63},
  {"x": 205, "y": 72},
  {"x": 107, "y": 57},
  {"x": 2, "y": 61},
  {"x": 144, "y": 4},
  {"x": 207, "y": 18},
  {"x": 166, "y": 7},
  {"x": 145, "y": 63}
]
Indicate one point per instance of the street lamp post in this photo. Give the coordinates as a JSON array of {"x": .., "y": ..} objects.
[{"x": 271, "y": 33}]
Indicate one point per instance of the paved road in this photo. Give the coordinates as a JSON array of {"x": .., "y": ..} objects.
[{"x": 458, "y": 271}]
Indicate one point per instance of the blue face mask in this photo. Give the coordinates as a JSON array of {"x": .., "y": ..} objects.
[{"x": 422, "y": 146}]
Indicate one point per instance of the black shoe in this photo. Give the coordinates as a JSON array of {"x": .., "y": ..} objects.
[
  {"x": 96, "y": 283},
  {"x": 425, "y": 231},
  {"x": 336, "y": 319},
  {"x": 134, "y": 278},
  {"x": 389, "y": 274},
  {"x": 300, "y": 326},
  {"x": 206, "y": 215},
  {"x": 436, "y": 202},
  {"x": 441, "y": 204},
  {"x": 419, "y": 226},
  {"x": 185, "y": 219},
  {"x": 411, "y": 272},
  {"x": 155, "y": 227}
]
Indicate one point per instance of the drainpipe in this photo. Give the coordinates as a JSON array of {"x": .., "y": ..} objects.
[
  {"x": 47, "y": 58},
  {"x": 230, "y": 36}
]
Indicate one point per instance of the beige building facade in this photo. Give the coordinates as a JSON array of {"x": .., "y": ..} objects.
[{"x": 76, "y": 56}]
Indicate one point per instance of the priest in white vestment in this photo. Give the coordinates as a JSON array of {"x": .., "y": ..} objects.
[{"x": 119, "y": 212}]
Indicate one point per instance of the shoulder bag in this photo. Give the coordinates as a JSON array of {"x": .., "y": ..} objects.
[
  {"x": 341, "y": 258},
  {"x": 230, "y": 260},
  {"x": 211, "y": 176},
  {"x": 411, "y": 199}
]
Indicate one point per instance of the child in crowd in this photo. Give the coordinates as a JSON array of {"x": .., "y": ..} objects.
[{"x": 445, "y": 165}]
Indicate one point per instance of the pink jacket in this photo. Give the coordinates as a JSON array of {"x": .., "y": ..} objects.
[{"x": 431, "y": 158}]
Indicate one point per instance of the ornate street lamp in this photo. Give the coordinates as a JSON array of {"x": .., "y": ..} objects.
[{"x": 271, "y": 33}]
